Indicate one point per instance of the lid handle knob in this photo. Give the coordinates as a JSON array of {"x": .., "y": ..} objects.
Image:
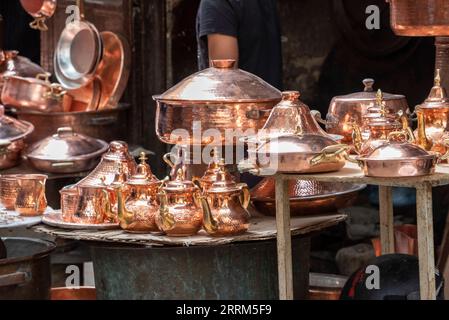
[
  {"x": 223, "y": 63},
  {"x": 65, "y": 131},
  {"x": 369, "y": 84},
  {"x": 290, "y": 95}
]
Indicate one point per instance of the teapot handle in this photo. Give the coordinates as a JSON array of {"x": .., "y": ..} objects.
[{"x": 245, "y": 197}]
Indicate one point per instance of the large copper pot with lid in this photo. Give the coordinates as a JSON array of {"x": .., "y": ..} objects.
[
  {"x": 419, "y": 17},
  {"x": 219, "y": 98},
  {"x": 347, "y": 110},
  {"x": 12, "y": 139},
  {"x": 66, "y": 152}
]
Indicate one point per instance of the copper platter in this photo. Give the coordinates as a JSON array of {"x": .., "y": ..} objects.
[
  {"x": 55, "y": 220},
  {"x": 306, "y": 197}
]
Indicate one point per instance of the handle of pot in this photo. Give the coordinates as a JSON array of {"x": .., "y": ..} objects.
[
  {"x": 4, "y": 145},
  {"x": 256, "y": 114},
  {"x": 63, "y": 165},
  {"x": 44, "y": 77},
  {"x": 13, "y": 279},
  {"x": 398, "y": 134},
  {"x": 246, "y": 195},
  {"x": 55, "y": 92},
  {"x": 446, "y": 155},
  {"x": 317, "y": 116},
  {"x": 39, "y": 24},
  {"x": 329, "y": 154},
  {"x": 167, "y": 160},
  {"x": 102, "y": 121}
]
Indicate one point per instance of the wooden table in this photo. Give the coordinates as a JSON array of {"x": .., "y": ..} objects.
[{"x": 351, "y": 173}]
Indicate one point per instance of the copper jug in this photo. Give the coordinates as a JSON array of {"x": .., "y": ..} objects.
[
  {"x": 31, "y": 200},
  {"x": 225, "y": 206},
  {"x": 180, "y": 212},
  {"x": 104, "y": 173},
  {"x": 137, "y": 201}
]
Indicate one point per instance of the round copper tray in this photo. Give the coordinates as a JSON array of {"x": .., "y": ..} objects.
[
  {"x": 55, "y": 220},
  {"x": 306, "y": 197}
]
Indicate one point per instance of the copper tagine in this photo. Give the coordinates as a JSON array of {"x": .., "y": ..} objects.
[
  {"x": 137, "y": 201},
  {"x": 12, "y": 135},
  {"x": 433, "y": 118},
  {"x": 306, "y": 197},
  {"x": 117, "y": 156},
  {"x": 180, "y": 211},
  {"x": 66, "y": 151},
  {"x": 419, "y": 17},
  {"x": 344, "y": 111},
  {"x": 220, "y": 97}
]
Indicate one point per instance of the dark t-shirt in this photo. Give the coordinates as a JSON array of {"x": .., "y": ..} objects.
[{"x": 255, "y": 23}]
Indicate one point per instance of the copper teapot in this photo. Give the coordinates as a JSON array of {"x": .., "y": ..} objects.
[
  {"x": 137, "y": 202},
  {"x": 225, "y": 206},
  {"x": 180, "y": 211}
]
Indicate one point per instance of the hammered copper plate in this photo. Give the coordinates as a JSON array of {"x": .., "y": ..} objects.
[
  {"x": 113, "y": 70},
  {"x": 55, "y": 220},
  {"x": 86, "y": 98}
]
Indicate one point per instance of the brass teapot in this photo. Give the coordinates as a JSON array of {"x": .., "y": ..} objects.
[
  {"x": 137, "y": 204},
  {"x": 180, "y": 211},
  {"x": 225, "y": 206}
]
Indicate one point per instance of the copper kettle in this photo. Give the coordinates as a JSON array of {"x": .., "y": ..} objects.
[
  {"x": 137, "y": 201},
  {"x": 180, "y": 211},
  {"x": 225, "y": 206}
]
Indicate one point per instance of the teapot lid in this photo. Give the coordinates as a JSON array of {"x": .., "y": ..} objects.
[
  {"x": 210, "y": 175},
  {"x": 143, "y": 176},
  {"x": 380, "y": 115},
  {"x": 368, "y": 94},
  {"x": 224, "y": 182},
  {"x": 221, "y": 83},
  {"x": 180, "y": 183},
  {"x": 438, "y": 96}
]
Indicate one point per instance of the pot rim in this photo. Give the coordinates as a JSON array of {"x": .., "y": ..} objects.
[
  {"x": 30, "y": 129},
  {"x": 354, "y": 188},
  {"x": 398, "y": 160},
  {"x": 158, "y": 99},
  {"x": 51, "y": 246},
  {"x": 120, "y": 107}
]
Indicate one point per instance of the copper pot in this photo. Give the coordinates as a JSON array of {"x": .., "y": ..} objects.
[
  {"x": 180, "y": 210},
  {"x": 344, "y": 111},
  {"x": 12, "y": 135},
  {"x": 306, "y": 197},
  {"x": 40, "y": 10},
  {"x": 419, "y": 18},
  {"x": 66, "y": 152},
  {"x": 8, "y": 191},
  {"x": 107, "y": 125},
  {"x": 399, "y": 159},
  {"x": 35, "y": 94},
  {"x": 217, "y": 98}
]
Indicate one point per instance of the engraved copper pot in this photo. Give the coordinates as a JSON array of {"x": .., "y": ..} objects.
[
  {"x": 40, "y": 10},
  {"x": 12, "y": 135},
  {"x": 419, "y": 17},
  {"x": 66, "y": 152},
  {"x": 306, "y": 197},
  {"x": 31, "y": 200},
  {"x": 92, "y": 205},
  {"x": 433, "y": 118},
  {"x": 220, "y": 97},
  {"x": 180, "y": 209},
  {"x": 137, "y": 200},
  {"x": 225, "y": 206},
  {"x": 399, "y": 159},
  {"x": 116, "y": 157},
  {"x": 35, "y": 94},
  {"x": 344, "y": 111}
]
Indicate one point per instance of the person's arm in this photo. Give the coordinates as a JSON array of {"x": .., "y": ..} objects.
[{"x": 222, "y": 47}]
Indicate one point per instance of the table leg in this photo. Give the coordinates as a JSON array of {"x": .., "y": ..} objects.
[
  {"x": 284, "y": 240},
  {"x": 425, "y": 241},
  {"x": 386, "y": 219}
]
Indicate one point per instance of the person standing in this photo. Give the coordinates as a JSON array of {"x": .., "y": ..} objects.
[{"x": 247, "y": 31}]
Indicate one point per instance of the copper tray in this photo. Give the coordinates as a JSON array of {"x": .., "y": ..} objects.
[
  {"x": 306, "y": 197},
  {"x": 55, "y": 220}
]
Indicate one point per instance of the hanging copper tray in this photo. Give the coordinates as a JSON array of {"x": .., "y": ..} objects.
[
  {"x": 306, "y": 197},
  {"x": 55, "y": 220}
]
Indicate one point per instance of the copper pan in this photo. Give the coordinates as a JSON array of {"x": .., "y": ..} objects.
[
  {"x": 306, "y": 197},
  {"x": 86, "y": 98},
  {"x": 113, "y": 70},
  {"x": 419, "y": 17},
  {"x": 40, "y": 10}
]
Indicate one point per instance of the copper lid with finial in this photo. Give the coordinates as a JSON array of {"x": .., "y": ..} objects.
[
  {"x": 143, "y": 176},
  {"x": 180, "y": 184},
  {"x": 437, "y": 98},
  {"x": 224, "y": 182}
]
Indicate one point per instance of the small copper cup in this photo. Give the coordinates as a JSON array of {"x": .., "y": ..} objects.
[
  {"x": 31, "y": 200},
  {"x": 8, "y": 191},
  {"x": 69, "y": 203}
]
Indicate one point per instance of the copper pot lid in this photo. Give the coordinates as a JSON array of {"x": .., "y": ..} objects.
[
  {"x": 118, "y": 151},
  {"x": 296, "y": 144},
  {"x": 224, "y": 182},
  {"x": 12, "y": 129},
  {"x": 180, "y": 184},
  {"x": 67, "y": 145},
  {"x": 210, "y": 175},
  {"x": 437, "y": 98},
  {"x": 221, "y": 83},
  {"x": 380, "y": 116},
  {"x": 143, "y": 176},
  {"x": 368, "y": 94},
  {"x": 12, "y": 64}
]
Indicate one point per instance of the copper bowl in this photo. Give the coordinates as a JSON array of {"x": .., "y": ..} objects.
[
  {"x": 81, "y": 293},
  {"x": 306, "y": 197}
]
